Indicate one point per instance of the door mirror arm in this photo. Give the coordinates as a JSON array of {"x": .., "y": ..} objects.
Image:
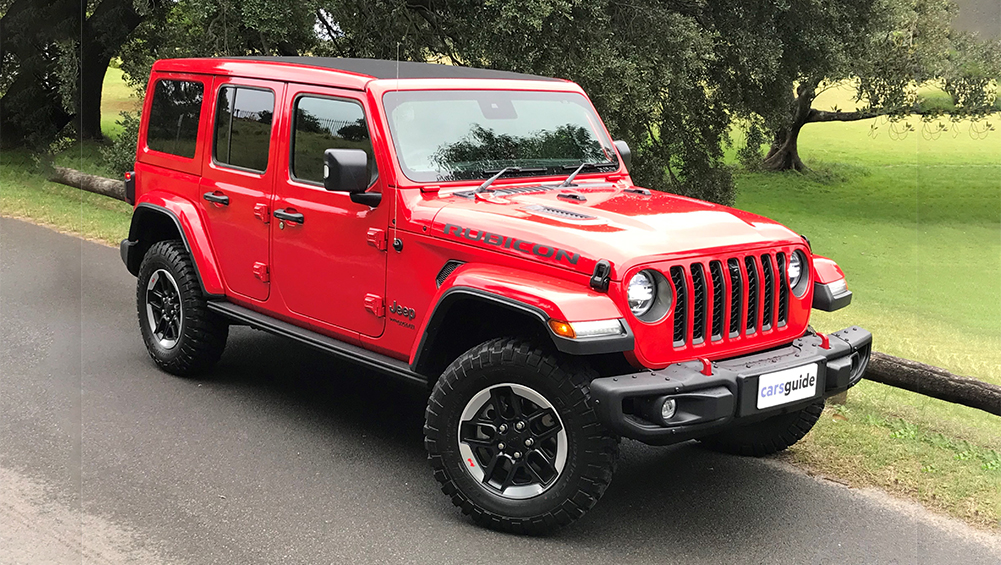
[{"x": 368, "y": 198}]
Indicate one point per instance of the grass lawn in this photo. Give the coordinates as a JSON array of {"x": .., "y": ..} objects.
[
  {"x": 914, "y": 222},
  {"x": 916, "y": 225},
  {"x": 118, "y": 97}
]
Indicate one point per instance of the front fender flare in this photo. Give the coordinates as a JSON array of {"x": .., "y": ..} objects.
[{"x": 539, "y": 297}]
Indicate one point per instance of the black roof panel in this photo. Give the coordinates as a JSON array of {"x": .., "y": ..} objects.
[{"x": 383, "y": 69}]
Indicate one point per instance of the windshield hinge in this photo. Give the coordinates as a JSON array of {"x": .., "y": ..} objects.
[{"x": 601, "y": 275}]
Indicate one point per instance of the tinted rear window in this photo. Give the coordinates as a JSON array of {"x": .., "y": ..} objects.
[
  {"x": 243, "y": 127},
  {"x": 173, "y": 117}
]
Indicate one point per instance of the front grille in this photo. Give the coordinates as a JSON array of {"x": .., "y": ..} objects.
[{"x": 728, "y": 298}]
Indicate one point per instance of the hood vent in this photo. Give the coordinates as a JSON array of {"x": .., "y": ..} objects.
[{"x": 560, "y": 213}]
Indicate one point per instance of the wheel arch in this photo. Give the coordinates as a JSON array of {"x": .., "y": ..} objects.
[
  {"x": 157, "y": 219},
  {"x": 485, "y": 302}
]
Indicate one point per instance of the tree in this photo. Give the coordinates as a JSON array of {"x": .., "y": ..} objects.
[
  {"x": 645, "y": 64},
  {"x": 54, "y": 57},
  {"x": 887, "y": 49}
]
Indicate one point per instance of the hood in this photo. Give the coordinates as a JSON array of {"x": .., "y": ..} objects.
[{"x": 625, "y": 225}]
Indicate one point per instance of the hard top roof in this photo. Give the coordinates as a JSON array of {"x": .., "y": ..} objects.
[{"x": 385, "y": 69}]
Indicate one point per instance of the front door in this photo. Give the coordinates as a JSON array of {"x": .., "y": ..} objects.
[
  {"x": 237, "y": 181},
  {"x": 331, "y": 266}
]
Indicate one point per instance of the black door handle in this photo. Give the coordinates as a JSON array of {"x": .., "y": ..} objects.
[
  {"x": 294, "y": 217},
  {"x": 217, "y": 198}
]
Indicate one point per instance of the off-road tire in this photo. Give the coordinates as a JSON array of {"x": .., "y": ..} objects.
[
  {"x": 767, "y": 436},
  {"x": 202, "y": 335},
  {"x": 592, "y": 448}
]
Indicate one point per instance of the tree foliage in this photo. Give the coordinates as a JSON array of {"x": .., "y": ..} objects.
[
  {"x": 669, "y": 76},
  {"x": 53, "y": 57}
]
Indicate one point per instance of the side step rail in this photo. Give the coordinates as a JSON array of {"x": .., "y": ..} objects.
[{"x": 353, "y": 353}]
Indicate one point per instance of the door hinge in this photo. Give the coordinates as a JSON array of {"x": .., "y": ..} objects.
[
  {"x": 262, "y": 213},
  {"x": 261, "y": 272},
  {"x": 377, "y": 238},
  {"x": 375, "y": 305}
]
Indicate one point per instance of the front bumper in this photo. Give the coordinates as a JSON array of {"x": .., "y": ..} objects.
[{"x": 705, "y": 403}]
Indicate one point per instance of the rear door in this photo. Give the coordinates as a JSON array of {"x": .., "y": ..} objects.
[
  {"x": 331, "y": 267},
  {"x": 238, "y": 180}
]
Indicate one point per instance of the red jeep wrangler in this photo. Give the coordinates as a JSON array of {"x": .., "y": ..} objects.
[{"x": 476, "y": 231}]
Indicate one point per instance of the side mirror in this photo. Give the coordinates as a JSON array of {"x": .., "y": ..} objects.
[
  {"x": 623, "y": 148},
  {"x": 346, "y": 170}
]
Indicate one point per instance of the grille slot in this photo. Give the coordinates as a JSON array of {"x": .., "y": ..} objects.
[
  {"x": 680, "y": 305},
  {"x": 783, "y": 289},
  {"x": 558, "y": 212},
  {"x": 736, "y": 296},
  {"x": 446, "y": 270},
  {"x": 752, "y": 294},
  {"x": 719, "y": 291},
  {"x": 768, "y": 292},
  {"x": 699, "y": 303}
]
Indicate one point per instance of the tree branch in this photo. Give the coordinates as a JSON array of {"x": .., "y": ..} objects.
[{"x": 825, "y": 116}]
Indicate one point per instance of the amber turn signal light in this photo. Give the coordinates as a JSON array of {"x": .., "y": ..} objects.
[{"x": 562, "y": 329}]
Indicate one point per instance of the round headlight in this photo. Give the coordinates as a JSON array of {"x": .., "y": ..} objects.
[
  {"x": 795, "y": 269},
  {"x": 641, "y": 292}
]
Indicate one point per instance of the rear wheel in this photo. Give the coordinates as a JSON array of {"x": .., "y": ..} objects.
[
  {"x": 767, "y": 436},
  {"x": 181, "y": 335},
  {"x": 513, "y": 439}
]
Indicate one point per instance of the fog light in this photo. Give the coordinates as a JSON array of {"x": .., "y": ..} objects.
[{"x": 668, "y": 408}]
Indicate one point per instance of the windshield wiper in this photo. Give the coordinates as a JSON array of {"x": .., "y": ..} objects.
[
  {"x": 486, "y": 184},
  {"x": 573, "y": 175}
]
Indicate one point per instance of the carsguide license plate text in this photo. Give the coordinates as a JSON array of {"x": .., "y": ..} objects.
[{"x": 788, "y": 385}]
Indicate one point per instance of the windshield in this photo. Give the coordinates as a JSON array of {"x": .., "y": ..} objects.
[{"x": 445, "y": 135}]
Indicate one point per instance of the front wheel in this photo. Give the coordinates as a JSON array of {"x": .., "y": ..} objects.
[{"x": 513, "y": 439}]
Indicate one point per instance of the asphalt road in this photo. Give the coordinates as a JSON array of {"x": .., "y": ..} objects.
[{"x": 284, "y": 455}]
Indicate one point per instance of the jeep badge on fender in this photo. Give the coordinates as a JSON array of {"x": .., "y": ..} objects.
[{"x": 563, "y": 307}]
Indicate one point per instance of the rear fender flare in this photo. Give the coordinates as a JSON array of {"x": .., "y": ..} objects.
[{"x": 184, "y": 215}]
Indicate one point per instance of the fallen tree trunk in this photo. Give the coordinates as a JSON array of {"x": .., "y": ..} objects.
[
  {"x": 91, "y": 183},
  {"x": 934, "y": 382}
]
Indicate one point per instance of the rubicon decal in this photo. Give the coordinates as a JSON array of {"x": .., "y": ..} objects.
[{"x": 527, "y": 247}]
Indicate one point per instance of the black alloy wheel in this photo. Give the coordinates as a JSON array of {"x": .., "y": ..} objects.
[
  {"x": 513, "y": 439},
  {"x": 181, "y": 335}
]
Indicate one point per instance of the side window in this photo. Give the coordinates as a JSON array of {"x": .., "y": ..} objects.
[
  {"x": 327, "y": 123},
  {"x": 243, "y": 127},
  {"x": 172, "y": 126}
]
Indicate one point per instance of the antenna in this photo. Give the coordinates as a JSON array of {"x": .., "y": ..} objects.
[{"x": 396, "y": 193}]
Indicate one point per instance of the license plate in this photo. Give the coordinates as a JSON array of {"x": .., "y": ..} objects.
[{"x": 788, "y": 385}]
